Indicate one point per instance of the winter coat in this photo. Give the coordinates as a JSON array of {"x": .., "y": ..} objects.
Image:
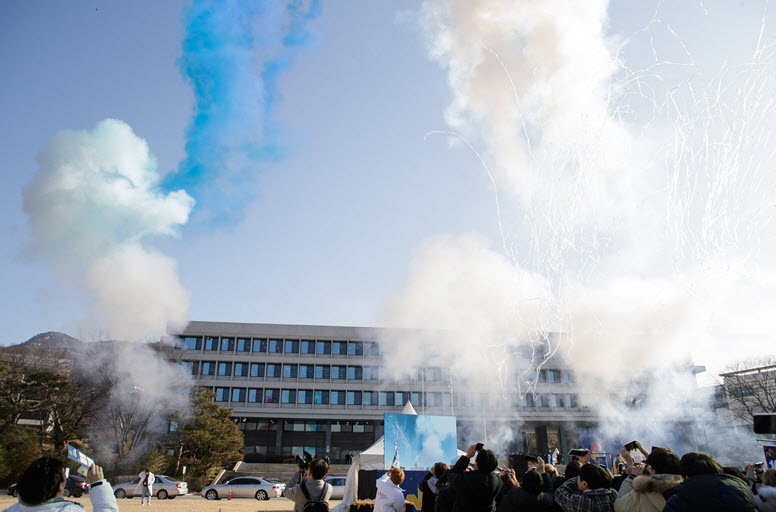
[
  {"x": 428, "y": 487},
  {"x": 445, "y": 498},
  {"x": 389, "y": 496},
  {"x": 710, "y": 493},
  {"x": 475, "y": 490},
  {"x": 315, "y": 488},
  {"x": 766, "y": 499},
  {"x": 644, "y": 493},
  {"x": 518, "y": 499},
  {"x": 151, "y": 479},
  {"x": 101, "y": 497},
  {"x": 571, "y": 499}
]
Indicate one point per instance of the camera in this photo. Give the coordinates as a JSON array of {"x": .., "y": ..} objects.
[{"x": 304, "y": 462}]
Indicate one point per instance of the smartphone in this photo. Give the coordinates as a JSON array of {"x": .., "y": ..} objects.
[
  {"x": 631, "y": 446},
  {"x": 578, "y": 452},
  {"x": 478, "y": 447}
]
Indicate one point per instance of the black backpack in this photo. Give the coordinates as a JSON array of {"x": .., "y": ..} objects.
[{"x": 315, "y": 505}]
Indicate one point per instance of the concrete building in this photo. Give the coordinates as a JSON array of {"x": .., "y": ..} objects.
[{"x": 321, "y": 389}]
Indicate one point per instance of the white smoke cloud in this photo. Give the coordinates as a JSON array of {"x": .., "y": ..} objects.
[
  {"x": 93, "y": 203},
  {"x": 642, "y": 240}
]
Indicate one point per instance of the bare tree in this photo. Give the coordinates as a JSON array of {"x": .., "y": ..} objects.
[{"x": 750, "y": 387}]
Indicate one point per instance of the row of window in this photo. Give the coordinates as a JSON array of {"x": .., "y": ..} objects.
[
  {"x": 280, "y": 346},
  {"x": 286, "y": 371},
  {"x": 380, "y": 398},
  {"x": 250, "y": 424}
]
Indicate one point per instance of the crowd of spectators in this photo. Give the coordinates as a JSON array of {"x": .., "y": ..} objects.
[{"x": 662, "y": 481}]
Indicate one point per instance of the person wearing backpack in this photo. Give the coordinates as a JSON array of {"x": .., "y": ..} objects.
[{"x": 308, "y": 491}]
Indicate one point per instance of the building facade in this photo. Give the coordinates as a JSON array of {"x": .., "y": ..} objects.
[{"x": 321, "y": 389}]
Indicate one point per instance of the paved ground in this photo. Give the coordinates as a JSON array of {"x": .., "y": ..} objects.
[{"x": 191, "y": 502}]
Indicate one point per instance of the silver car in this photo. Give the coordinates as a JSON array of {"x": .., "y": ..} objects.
[
  {"x": 164, "y": 487},
  {"x": 245, "y": 487},
  {"x": 337, "y": 486}
]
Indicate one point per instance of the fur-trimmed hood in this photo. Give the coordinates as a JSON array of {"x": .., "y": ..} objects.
[{"x": 655, "y": 483}]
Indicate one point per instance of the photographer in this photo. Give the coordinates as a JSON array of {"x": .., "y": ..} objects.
[
  {"x": 428, "y": 486},
  {"x": 476, "y": 490},
  {"x": 591, "y": 491},
  {"x": 642, "y": 490},
  {"x": 41, "y": 486},
  {"x": 531, "y": 495},
  {"x": 311, "y": 479}
]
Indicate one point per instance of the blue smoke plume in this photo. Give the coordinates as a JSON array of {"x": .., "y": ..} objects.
[{"x": 233, "y": 54}]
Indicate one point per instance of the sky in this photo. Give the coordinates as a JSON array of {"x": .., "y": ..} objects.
[{"x": 336, "y": 197}]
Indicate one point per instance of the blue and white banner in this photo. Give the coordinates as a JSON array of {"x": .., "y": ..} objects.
[
  {"x": 770, "y": 456},
  {"x": 79, "y": 456}
]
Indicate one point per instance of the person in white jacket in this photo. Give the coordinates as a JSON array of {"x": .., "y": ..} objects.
[
  {"x": 145, "y": 487},
  {"x": 41, "y": 486},
  {"x": 390, "y": 497},
  {"x": 766, "y": 495}
]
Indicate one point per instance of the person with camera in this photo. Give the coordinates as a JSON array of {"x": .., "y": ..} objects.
[
  {"x": 533, "y": 494},
  {"x": 306, "y": 487},
  {"x": 42, "y": 484},
  {"x": 475, "y": 490},
  {"x": 428, "y": 486},
  {"x": 642, "y": 489},
  {"x": 591, "y": 491}
]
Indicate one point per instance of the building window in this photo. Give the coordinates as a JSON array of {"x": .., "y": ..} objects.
[
  {"x": 354, "y": 397},
  {"x": 289, "y": 371},
  {"x": 275, "y": 347},
  {"x": 208, "y": 368},
  {"x": 354, "y": 373},
  {"x": 571, "y": 401},
  {"x": 192, "y": 366},
  {"x": 370, "y": 398},
  {"x": 447, "y": 400},
  {"x": 433, "y": 374},
  {"x": 271, "y": 396},
  {"x": 541, "y": 401},
  {"x": 556, "y": 376},
  {"x": 257, "y": 369},
  {"x": 338, "y": 372},
  {"x": 541, "y": 376},
  {"x": 322, "y": 372},
  {"x": 243, "y": 345},
  {"x": 337, "y": 397},
  {"x": 211, "y": 343},
  {"x": 416, "y": 399},
  {"x": 225, "y": 369},
  {"x": 434, "y": 399},
  {"x": 227, "y": 344},
  {"x": 339, "y": 348},
  {"x": 557, "y": 401},
  {"x": 386, "y": 398},
  {"x": 402, "y": 397},
  {"x": 306, "y": 371},
  {"x": 238, "y": 394},
  {"x": 240, "y": 369},
  {"x": 254, "y": 395},
  {"x": 371, "y": 373},
  {"x": 305, "y": 396},
  {"x": 321, "y": 397},
  {"x": 323, "y": 347},
  {"x": 446, "y": 375},
  {"x": 416, "y": 374},
  {"x": 273, "y": 370},
  {"x": 311, "y": 426},
  {"x": 307, "y": 347},
  {"x": 288, "y": 396},
  {"x": 259, "y": 345},
  {"x": 568, "y": 376},
  {"x": 292, "y": 347},
  {"x": 355, "y": 348},
  {"x": 528, "y": 400},
  {"x": 222, "y": 394},
  {"x": 192, "y": 342},
  {"x": 370, "y": 349}
]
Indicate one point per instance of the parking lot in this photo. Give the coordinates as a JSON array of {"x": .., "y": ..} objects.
[{"x": 193, "y": 502}]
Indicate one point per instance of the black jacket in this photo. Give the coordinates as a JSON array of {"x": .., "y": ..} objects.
[
  {"x": 475, "y": 490},
  {"x": 520, "y": 500},
  {"x": 445, "y": 498},
  {"x": 429, "y": 497},
  {"x": 710, "y": 493}
]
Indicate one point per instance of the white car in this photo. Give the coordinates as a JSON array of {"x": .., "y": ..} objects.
[
  {"x": 164, "y": 487},
  {"x": 337, "y": 486},
  {"x": 245, "y": 487}
]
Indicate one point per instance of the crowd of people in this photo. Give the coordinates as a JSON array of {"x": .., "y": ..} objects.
[{"x": 663, "y": 481}]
